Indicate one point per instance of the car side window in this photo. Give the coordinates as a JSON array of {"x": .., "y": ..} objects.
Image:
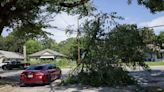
[
  {"x": 50, "y": 67},
  {"x": 13, "y": 62}
]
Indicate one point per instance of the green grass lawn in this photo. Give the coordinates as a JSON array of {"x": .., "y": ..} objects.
[{"x": 155, "y": 63}]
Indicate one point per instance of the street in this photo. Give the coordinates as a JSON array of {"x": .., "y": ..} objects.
[{"x": 145, "y": 78}]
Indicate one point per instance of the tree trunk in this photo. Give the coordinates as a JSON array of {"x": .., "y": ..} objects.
[{"x": 1, "y": 29}]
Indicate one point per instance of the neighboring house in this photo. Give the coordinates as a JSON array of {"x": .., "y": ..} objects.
[
  {"x": 46, "y": 54},
  {"x": 7, "y": 55},
  {"x": 151, "y": 57},
  {"x": 156, "y": 53},
  {"x": 154, "y": 56},
  {"x": 162, "y": 54}
]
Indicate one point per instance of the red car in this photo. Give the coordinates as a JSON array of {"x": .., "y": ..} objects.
[{"x": 40, "y": 74}]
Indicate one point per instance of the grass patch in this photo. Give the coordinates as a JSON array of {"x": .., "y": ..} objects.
[{"x": 155, "y": 63}]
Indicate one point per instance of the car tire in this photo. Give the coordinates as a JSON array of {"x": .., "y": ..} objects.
[{"x": 4, "y": 67}]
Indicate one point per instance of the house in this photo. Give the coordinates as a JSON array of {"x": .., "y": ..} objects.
[
  {"x": 46, "y": 54},
  {"x": 156, "y": 53},
  {"x": 155, "y": 56},
  {"x": 162, "y": 54},
  {"x": 7, "y": 55}
]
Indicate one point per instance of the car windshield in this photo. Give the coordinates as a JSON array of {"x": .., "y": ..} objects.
[{"x": 36, "y": 68}]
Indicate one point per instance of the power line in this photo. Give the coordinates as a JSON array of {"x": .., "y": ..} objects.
[{"x": 156, "y": 26}]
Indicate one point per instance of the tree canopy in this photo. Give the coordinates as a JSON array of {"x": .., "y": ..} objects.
[
  {"x": 18, "y": 13},
  {"x": 33, "y": 46},
  {"x": 160, "y": 40},
  {"x": 153, "y": 5},
  {"x": 36, "y": 13}
]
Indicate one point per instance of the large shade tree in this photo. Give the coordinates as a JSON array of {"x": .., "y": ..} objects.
[{"x": 29, "y": 13}]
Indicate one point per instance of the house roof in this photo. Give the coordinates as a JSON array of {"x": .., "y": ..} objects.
[
  {"x": 42, "y": 53},
  {"x": 10, "y": 55}
]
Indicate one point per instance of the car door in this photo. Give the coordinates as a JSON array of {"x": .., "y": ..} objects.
[
  {"x": 15, "y": 64},
  {"x": 12, "y": 64}
]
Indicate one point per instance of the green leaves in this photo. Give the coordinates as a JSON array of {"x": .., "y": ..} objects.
[
  {"x": 128, "y": 44},
  {"x": 32, "y": 46},
  {"x": 160, "y": 40},
  {"x": 16, "y": 13},
  {"x": 69, "y": 48},
  {"x": 153, "y": 5}
]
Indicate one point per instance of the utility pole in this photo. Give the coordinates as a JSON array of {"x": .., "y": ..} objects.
[
  {"x": 78, "y": 43},
  {"x": 24, "y": 53}
]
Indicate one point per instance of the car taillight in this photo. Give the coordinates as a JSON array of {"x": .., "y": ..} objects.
[{"x": 39, "y": 75}]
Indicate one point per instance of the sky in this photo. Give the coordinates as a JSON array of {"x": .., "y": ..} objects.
[{"x": 133, "y": 14}]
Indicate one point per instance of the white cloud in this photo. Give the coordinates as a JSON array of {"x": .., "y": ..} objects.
[
  {"x": 59, "y": 35},
  {"x": 63, "y": 21},
  {"x": 155, "y": 22}
]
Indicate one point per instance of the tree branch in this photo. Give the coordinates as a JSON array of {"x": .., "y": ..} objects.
[{"x": 74, "y": 4}]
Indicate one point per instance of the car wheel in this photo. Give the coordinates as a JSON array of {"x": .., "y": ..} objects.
[{"x": 4, "y": 67}]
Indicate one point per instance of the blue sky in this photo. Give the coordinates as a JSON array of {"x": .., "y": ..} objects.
[{"x": 133, "y": 14}]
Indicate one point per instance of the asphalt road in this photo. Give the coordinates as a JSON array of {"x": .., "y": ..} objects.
[{"x": 145, "y": 78}]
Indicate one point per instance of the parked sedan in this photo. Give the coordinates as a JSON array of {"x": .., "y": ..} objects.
[
  {"x": 40, "y": 74},
  {"x": 15, "y": 64}
]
